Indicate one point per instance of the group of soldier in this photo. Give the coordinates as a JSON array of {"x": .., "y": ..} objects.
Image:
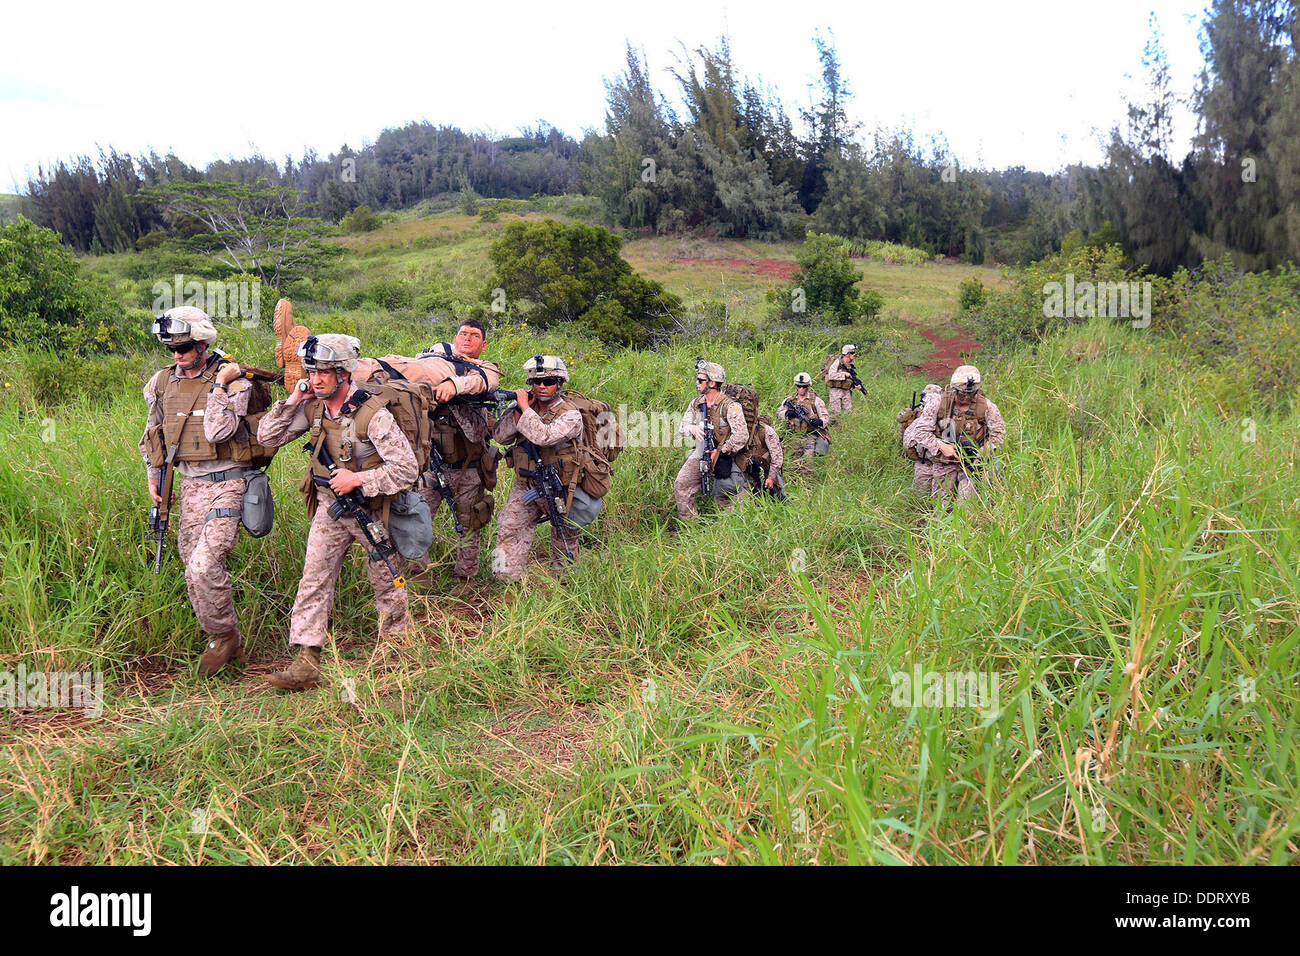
[{"x": 205, "y": 420}]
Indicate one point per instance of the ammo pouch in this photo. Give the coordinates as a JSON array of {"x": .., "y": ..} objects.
[
  {"x": 410, "y": 525},
  {"x": 583, "y": 508},
  {"x": 487, "y": 468},
  {"x": 722, "y": 469},
  {"x": 257, "y": 511},
  {"x": 821, "y": 447},
  {"x": 481, "y": 513}
]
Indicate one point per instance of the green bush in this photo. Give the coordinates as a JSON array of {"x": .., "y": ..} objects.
[
  {"x": 564, "y": 271},
  {"x": 826, "y": 283},
  {"x": 48, "y": 304},
  {"x": 971, "y": 295},
  {"x": 360, "y": 219}
]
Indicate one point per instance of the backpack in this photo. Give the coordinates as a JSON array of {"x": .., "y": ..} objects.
[
  {"x": 826, "y": 366},
  {"x": 409, "y": 404},
  {"x": 905, "y": 418},
  {"x": 600, "y": 443},
  {"x": 747, "y": 397}
]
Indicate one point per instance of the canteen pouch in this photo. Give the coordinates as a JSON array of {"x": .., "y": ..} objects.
[
  {"x": 257, "y": 511},
  {"x": 410, "y": 525}
]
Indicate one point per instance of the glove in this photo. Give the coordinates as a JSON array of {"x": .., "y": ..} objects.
[
  {"x": 816, "y": 423},
  {"x": 790, "y": 415}
]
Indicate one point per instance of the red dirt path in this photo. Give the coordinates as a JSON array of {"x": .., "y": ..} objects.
[
  {"x": 777, "y": 268},
  {"x": 946, "y": 357}
]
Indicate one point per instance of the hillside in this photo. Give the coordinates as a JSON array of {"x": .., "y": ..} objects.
[{"x": 725, "y": 693}]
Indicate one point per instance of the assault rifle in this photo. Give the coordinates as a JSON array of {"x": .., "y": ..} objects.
[
  {"x": 547, "y": 489},
  {"x": 437, "y": 465},
  {"x": 353, "y": 505},
  {"x": 501, "y": 399},
  {"x": 803, "y": 416},
  {"x": 248, "y": 371},
  {"x": 968, "y": 454},
  {"x": 759, "y": 474},
  {"x": 706, "y": 459},
  {"x": 857, "y": 382},
  {"x": 160, "y": 514}
]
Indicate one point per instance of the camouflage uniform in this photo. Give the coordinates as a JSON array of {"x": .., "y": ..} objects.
[
  {"x": 841, "y": 388},
  {"x": 203, "y": 539},
  {"x": 816, "y": 408},
  {"x": 922, "y": 470},
  {"x": 466, "y": 482},
  {"x": 518, "y": 521},
  {"x": 776, "y": 460},
  {"x": 687, "y": 483},
  {"x": 944, "y": 474},
  {"x": 328, "y": 540}
]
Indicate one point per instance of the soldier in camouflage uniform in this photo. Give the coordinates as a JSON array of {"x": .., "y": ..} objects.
[
  {"x": 812, "y": 405},
  {"x": 729, "y": 431},
  {"x": 962, "y": 411},
  {"x": 198, "y": 406},
  {"x": 922, "y": 470},
  {"x": 367, "y": 436},
  {"x": 554, "y": 426},
  {"x": 768, "y": 461},
  {"x": 840, "y": 382},
  {"x": 462, "y": 433}
]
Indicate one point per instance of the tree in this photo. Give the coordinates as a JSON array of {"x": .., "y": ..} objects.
[
  {"x": 574, "y": 272},
  {"x": 253, "y": 229}
]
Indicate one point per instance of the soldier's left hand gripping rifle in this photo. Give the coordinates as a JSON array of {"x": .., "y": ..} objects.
[
  {"x": 160, "y": 514},
  {"x": 352, "y": 505},
  {"x": 857, "y": 382},
  {"x": 706, "y": 459},
  {"x": 548, "y": 489},
  {"x": 819, "y": 430}
]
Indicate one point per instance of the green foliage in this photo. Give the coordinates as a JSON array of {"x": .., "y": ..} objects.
[
  {"x": 468, "y": 198},
  {"x": 971, "y": 295},
  {"x": 827, "y": 281},
  {"x": 565, "y": 272},
  {"x": 360, "y": 219},
  {"x": 47, "y": 303}
]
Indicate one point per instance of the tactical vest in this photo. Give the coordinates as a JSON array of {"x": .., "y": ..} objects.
[
  {"x": 347, "y": 441},
  {"x": 969, "y": 421},
  {"x": 457, "y": 451},
  {"x": 722, "y": 428},
  {"x": 808, "y": 403},
  {"x": 567, "y": 457},
  {"x": 184, "y": 404},
  {"x": 832, "y": 368},
  {"x": 760, "y": 454}
]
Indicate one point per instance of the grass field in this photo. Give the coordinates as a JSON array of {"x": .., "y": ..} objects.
[{"x": 724, "y": 694}]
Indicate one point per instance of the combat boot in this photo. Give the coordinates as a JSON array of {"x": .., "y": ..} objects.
[
  {"x": 303, "y": 673},
  {"x": 220, "y": 649}
]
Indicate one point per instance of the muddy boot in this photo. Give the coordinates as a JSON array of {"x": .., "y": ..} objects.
[
  {"x": 218, "y": 653},
  {"x": 303, "y": 673}
]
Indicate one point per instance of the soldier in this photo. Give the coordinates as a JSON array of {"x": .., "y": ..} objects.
[
  {"x": 922, "y": 471},
  {"x": 729, "y": 432},
  {"x": 956, "y": 432},
  {"x": 366, "y": 436},
  {"x": 554, "y": 426},
  {"x": 814, "y": 408},
  {"x": 197, "y": 408},
  {"x": 461, "y": 433},
  {"x": 767, "y": 461},
  {"x": 840, "y": 381}
]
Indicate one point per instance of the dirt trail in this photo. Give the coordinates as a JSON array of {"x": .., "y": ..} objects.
[
  {"x": 777, "y": 268},
  {"x": 947, "y": 355}
]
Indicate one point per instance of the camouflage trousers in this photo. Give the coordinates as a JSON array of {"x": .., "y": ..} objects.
[
  {"x": 328, "y": 543},
  {"x": 807, "y": 444},
  {"x": 466, "y": 487},
  {"x": 204, "y": 546},
  {"x": 944, "y": 477},
  {"x": 516, "y": 526},
  {"x": 687, "y": 485},
  {"x": 841, "y": 401}
]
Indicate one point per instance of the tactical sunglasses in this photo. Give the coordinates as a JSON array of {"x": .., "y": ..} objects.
[{"x": 549, "y": 380}]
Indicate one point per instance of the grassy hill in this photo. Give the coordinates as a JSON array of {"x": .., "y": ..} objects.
[{"x": 728, "y": 693}]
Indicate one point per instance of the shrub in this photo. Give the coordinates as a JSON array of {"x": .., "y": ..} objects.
[
  {"x": 826, "y": 283},
  {"x": 971, "y": 295},
  {"x": 360, "y": 219}
]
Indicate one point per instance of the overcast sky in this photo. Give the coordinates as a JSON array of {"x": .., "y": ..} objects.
[{"x": 1030, "y": 84}]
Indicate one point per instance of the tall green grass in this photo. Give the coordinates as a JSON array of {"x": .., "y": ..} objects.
[{"x": 721, "y": 693}]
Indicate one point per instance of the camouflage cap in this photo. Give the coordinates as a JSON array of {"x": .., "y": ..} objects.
[
  {"x": 544, "y": 366},
  {"x": 713, "y": 372},
  {"x": 331, "y": 350}
]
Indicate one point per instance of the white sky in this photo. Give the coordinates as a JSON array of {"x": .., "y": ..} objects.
[{"x": 1030, "y": 84}]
